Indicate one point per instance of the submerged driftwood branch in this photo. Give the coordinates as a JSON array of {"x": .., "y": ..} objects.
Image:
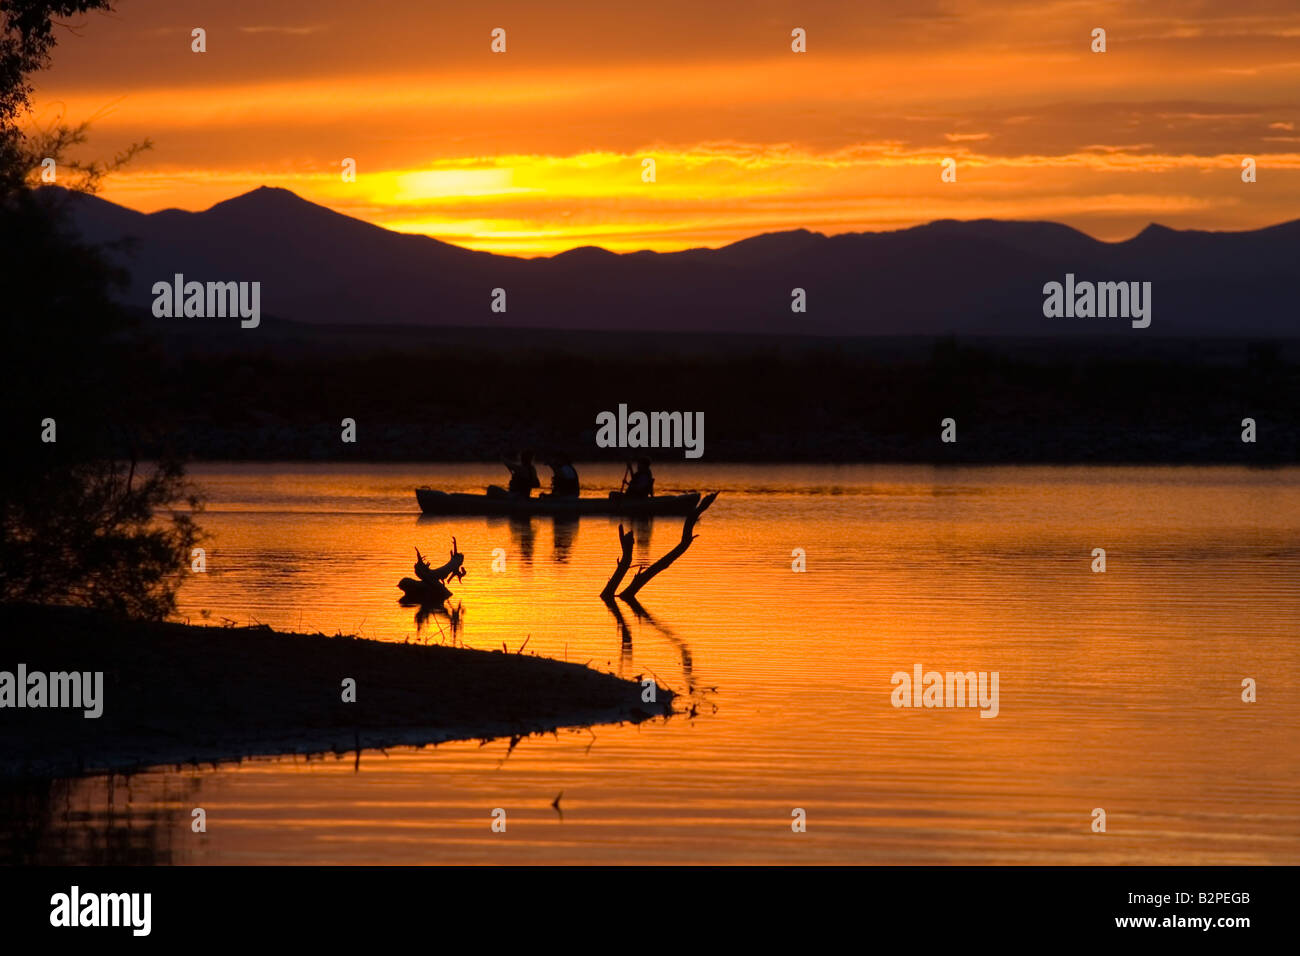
[
  {"x": 431, "y": 587},
  {"x": 625, "y": 540},
  {"x": 430, "y": 575},
  {"x": 643, "y": 576}
]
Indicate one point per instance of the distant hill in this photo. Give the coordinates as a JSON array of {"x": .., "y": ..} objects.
[{"x": 983, "y": 277}]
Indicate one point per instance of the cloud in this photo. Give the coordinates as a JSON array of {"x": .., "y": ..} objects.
[
  {"x": 540, "y": 148},
  {"x": 530, "y": 204},
  {"x": 288, "y": 31}
]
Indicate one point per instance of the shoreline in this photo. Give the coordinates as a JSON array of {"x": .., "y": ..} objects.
[{"x": 177, "y": 694}]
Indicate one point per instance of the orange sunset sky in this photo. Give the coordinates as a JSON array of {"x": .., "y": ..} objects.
[{"x": 539, "y": 149}]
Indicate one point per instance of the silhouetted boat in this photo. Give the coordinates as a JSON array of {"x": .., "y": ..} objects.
[{"x": 450, "y": 503}]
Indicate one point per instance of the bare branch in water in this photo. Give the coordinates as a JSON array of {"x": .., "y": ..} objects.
[
  {"x": 625, "y": 540},
  {"x": 642, "y": 577}
]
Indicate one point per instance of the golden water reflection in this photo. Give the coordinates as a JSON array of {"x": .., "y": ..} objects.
[{"x": 1118, "y": 690}]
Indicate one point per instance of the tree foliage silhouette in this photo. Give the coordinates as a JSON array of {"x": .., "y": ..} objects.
[{"x": 81, "y": 522}]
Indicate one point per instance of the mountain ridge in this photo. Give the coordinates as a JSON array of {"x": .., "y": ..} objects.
[{"x": 974, "y": 277}]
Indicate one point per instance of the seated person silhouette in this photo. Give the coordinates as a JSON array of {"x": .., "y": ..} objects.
[
  {"x": 642, "y": 483},
  {"x": 564, "y": 477},
  {"x": 523, "y": 478}
]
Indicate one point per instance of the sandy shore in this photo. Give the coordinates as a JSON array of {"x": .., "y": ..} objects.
[{"x": 175, "y": 693}]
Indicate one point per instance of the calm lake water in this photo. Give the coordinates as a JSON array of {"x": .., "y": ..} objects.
[{"x": 1119, "y": 690}]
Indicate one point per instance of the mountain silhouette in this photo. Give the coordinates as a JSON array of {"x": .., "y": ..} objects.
[{"x": 982, "y": 277}]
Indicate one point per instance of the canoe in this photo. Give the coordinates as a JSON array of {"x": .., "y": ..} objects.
[{"x": 450, "y": 503}]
